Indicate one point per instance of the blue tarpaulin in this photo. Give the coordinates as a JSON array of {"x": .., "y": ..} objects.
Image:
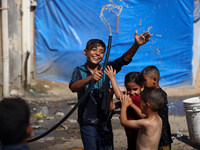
[
  {"x": 62, "y": 29},
  {"x": 196, "y": 13}
]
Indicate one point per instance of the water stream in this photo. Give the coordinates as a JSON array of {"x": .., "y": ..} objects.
[{"x": 112, "y": 8}]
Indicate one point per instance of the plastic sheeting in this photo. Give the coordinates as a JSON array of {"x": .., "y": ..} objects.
[
  {"x": 64, "y": 27},
  {"x": 196, "y": 13}
]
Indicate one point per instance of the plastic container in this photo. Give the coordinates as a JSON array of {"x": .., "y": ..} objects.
[{"x": 192, "y": 111}]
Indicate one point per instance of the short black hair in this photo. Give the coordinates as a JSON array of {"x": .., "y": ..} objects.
[
  {"x": 151, "y": 71},
  {"x": 136, "y": 77},
  {"x": 14, "y": 120},
  {"x": 154, "y": 96},
  {"x": 92, "y": 41}
]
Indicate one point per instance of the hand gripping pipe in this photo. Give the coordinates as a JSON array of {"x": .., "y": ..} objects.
[{"x": 79, "y": 102}]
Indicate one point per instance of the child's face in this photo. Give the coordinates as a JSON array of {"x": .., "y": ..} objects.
[
  {"x": 95, "y": 53},
  {"x": 149, "y": 82},
  {"x": 133, "y": 89}
]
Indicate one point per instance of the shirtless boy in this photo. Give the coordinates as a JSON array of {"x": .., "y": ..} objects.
[{"x": 150, "y": 128}]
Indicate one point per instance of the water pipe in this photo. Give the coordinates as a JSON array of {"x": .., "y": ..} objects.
[{"x": 5, "y": 42}]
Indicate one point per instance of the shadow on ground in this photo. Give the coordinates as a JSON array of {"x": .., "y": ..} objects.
[{"x": 185, "y": 139}]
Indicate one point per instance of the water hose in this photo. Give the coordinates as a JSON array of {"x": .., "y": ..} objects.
[{"x": 80, "y": 101}]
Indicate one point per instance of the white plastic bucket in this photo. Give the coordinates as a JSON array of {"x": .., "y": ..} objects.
[{"x": 192, "y": 111}]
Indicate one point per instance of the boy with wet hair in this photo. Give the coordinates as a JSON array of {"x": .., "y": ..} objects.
[
  {"x": 150, "y": 127},
  {"x": 151, "y": 75},
  {"x": 93, "y": 117},
  {"x": 14, "y": 124}
]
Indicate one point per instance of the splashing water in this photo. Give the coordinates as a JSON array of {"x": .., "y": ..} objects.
[
  {"x": 111, "y": 7},
  {"x": 149, "y": 28}
]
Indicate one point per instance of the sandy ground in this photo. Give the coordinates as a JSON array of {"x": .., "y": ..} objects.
[{"x": 70, "y": 139}]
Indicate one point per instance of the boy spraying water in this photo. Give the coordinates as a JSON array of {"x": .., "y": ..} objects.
[{"x": 93, "y": 117}]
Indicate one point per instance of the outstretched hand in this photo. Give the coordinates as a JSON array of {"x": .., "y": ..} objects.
[
  {"x": 110, "y": 72},
  {"x": 142, "y": 38}
]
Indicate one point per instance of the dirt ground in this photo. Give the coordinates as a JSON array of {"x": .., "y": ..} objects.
[
  {"x": 54, "y": 93},
  {"x": 70, "y": 139}
]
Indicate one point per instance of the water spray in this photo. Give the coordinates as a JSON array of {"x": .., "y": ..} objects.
[{"x": 115, "y": 9}]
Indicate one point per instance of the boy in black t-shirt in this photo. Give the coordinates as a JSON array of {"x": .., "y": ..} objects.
[
  {"x": 93, "y": 117},
  {"x": 151, "y": 75}
]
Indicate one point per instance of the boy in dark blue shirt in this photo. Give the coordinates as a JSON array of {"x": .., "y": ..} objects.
[{"x": 93, "y": 117}]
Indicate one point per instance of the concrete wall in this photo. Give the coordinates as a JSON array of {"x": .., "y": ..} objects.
[
  {"x": 196, "y": 49},
  {"x": 15, "y": 46},
  {"x": 18, "y": 20},
  {"x": 1, "y": 73},
  {"x": 1, "y": 48}
]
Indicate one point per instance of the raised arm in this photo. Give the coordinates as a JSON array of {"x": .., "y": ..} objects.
[
  {"x": 137, "y": 110},
  {"x": 139, "y": 40},
  {"x": 110, "y": 104},
  {"x": 123, "y": 118},
  {"x": 111, "y": 74}
]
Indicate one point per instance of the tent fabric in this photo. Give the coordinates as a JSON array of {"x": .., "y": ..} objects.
[
  {"x": 62, "y": 29},
  {"x": 196, "y": 13}
]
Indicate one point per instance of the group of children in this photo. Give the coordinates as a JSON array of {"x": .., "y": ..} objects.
[{"x": 144, "y": 110}]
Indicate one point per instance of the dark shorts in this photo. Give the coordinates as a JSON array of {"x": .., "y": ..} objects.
[{"x": 97, "y": 138}]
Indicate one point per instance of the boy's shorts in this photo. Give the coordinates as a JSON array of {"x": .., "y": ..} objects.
[{"x": 94, "y": 138}]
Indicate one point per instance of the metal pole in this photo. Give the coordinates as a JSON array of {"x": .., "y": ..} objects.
[{"x": 5, "y": 44}]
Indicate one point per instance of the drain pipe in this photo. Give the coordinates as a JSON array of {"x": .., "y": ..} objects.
[
  {"x": 26, "y": 42},
  {"x": 5, "y": 43}
]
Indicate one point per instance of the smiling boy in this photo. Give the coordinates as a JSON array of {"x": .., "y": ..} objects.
[{"x": 93, "y": 117}]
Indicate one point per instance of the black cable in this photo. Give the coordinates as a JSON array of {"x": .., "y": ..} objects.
[
  {"x": 79, "y": 102},
  {"x": 108, "y": 51}
]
